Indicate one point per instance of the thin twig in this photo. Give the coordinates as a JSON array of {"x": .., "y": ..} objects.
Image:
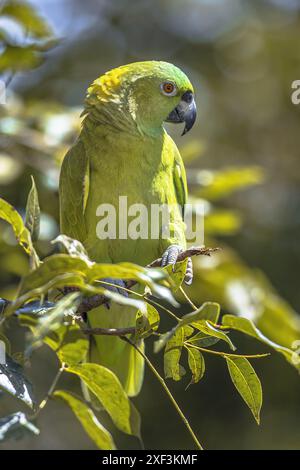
[
  {"x": 169, "y": 394},
  {"x": 50, "y": 391},
  {"x": 187, "y": 298},
  {"x": 223, "y": 354},
  {"x": 169, "y": 312}
]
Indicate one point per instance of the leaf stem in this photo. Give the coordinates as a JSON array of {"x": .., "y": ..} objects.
[
  {"x": 219, "y": 353},
  {"x": 169, "y": 312},
  {"x": 169, "y": 394},
  {"x": 187, "y": 298},
  {"x": 50, "y": 391},
  {"x": 138, "y": 294}
]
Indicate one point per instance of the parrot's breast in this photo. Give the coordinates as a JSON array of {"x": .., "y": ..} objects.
[{"x": 128, "y": 178}]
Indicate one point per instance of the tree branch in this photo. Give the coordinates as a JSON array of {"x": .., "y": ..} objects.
[
  {"x": 193, "y": 251},
  {"x": 89, "y": 303}
]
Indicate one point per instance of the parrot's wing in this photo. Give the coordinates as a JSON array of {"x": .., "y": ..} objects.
[
  {"x": 74, "y": 190},
  {"x": 179, "y": 177}
]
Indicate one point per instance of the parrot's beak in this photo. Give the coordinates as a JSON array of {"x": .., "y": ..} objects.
[{"x": 186, "y": 112}]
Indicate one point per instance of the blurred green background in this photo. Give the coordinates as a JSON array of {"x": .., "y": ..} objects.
[{"x": 242, "y": 158}]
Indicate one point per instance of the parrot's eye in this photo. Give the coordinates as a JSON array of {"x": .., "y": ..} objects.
[{"x": 168, "y": 88}]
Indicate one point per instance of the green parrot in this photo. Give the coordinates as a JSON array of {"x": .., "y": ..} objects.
[{"x": 124, "y": 150}]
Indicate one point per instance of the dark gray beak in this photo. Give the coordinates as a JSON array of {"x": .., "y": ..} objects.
[{"x": 186, "y": 112}]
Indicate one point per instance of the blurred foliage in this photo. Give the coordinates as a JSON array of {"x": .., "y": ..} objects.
[
  {"x": 36, "y": 36},
  {"x": 242, "y": 59},
  {"x": 50, "y": 278}
]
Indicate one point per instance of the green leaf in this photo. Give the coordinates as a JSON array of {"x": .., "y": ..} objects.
[
  {"x": 15, "y": 383},
  {"x": 177, "y": 274},
  {"x": 62, "y": 264},
  {"x": 53, "y": 319},
  {"x": 208, "y": 329},
  {"x": 14, "y": 425},
  {"x": 218, "y": 184},
  {"x": 196, "y": 364},
  {"x": 103, "y": 383},
  {"x": 222, "y": 222},
  {"x": 32, "y": 219},
  {"x": 147, "y": 322},
  {"x": 17, "y": 58},
  {"x": 69, "y": 343},
  {"x": 207, "y": 310},
  {"x": 73, "y": 247},
  {"x": 247, "y": 326},
  {"x": 246, "y": 382},
  {"x": 71, "y": 280},
  {"x": 172, "y": 355},
  {"x": 10, "y": 215},
  {"x": 99, "y": 435},
  {"x": 203, "y": 340},
  {"x": 26, "y": 15},
  {"x": 61, "y": 270}
]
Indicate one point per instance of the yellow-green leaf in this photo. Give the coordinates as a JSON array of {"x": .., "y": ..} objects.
[
  {"x": 61, "y": 264},
  {"x": 208, "y": 329},
  {"x": 16, "y": 58},
  {"x": 69, "y": 343},
  {"x": 99, "y": 435},
  {"x": 218, "y": 184},
  {"x": 207, "y": 310},
  {"x": 10, "y": 215},
  {"x": 246, "y": 382},
  {"x": 32, "y": 219},
  {"x": 196, "y": 364},
  {"x": 26, "y": 15},
  {"x": 172, "y": 368},
  {"x": 109, "y": 391},
  {"x": 177, "y": 274},
  {"x": 74, "y": 247},
  {"x": 147, "y": 322},
  {"x": 53, "y": 319},
  {"x": 247, "y": 326}
]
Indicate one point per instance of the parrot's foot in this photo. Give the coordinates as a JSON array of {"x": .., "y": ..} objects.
[
  {"x": 188, "y": 279},
  {"x": 114, "y": 285},
  {"x": 170, "y": 258},
  {"x": 170, "y": 255}
]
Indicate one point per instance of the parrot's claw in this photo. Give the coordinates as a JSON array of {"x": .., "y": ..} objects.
[
  {"x": 118, "y": 287},
  {"x": 170, "y": 258},
  {"x": 170, "y": 255},
  {"x": 188, "y": 279}
]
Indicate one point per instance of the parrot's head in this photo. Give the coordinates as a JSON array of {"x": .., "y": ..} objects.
[{"x": 147, "y": 93}]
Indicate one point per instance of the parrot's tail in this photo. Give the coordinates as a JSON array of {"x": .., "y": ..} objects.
[{"x": 113, "y": 352}]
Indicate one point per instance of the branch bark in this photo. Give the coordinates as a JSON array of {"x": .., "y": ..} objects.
[{"x": 89, "y": 303}]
